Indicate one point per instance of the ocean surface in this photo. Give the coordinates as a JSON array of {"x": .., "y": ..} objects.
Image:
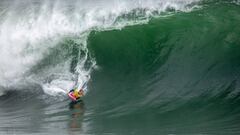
[{"x": 152, "y": 67}]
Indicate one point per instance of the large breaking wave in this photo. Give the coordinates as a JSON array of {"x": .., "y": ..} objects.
[
  {"x": 33, "y": 32},
  {"x": 156, "y": 67}
]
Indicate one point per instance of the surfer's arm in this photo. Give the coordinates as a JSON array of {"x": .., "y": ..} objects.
[{"x": 81, "y": 93}]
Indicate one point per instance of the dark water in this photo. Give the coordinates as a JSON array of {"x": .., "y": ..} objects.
[{"x": 177, "y": 74}]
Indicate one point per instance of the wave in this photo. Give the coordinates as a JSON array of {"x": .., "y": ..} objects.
[
  {"x": 34, "y": 30},
  {"x": 174, "y": 73}
]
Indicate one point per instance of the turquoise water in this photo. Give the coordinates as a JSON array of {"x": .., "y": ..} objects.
[{"x": 176, "y": 71}]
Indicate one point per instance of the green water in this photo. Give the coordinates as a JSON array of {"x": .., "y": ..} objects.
[
  {"x": 177, "y": 74},
  {"x": 174, "y": 75}
]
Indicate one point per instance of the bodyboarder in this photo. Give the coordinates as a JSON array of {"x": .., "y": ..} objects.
[{"x": 76, "y": 94}]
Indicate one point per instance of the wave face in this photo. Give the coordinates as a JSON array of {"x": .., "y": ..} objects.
[{"x": 155, "y": 67}]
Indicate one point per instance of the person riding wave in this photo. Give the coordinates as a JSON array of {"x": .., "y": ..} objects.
[{"x": 76, "y": 94}]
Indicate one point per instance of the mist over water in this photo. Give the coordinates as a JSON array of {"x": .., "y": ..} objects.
[{"x": 152, "y": 67}]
